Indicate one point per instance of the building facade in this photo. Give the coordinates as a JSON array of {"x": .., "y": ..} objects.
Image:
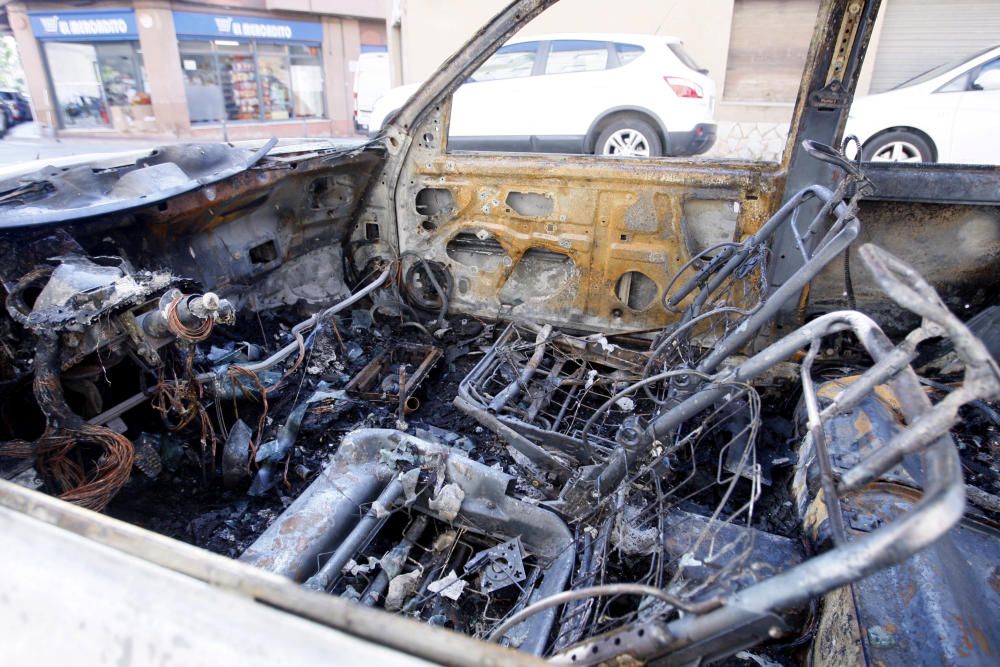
[{"x": 199, "y": 70}]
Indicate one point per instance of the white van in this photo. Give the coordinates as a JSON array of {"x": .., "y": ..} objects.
[{"x": 371, "y": 81}]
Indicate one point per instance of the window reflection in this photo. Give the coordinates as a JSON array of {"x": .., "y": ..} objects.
[
  {"x": 275, "y": 81},
  {"x": 307, "y": 82},
  {"x": 510, "y": 62},
  {"x": 576, "y": 56},
  {"x": 96, "y": 84}
]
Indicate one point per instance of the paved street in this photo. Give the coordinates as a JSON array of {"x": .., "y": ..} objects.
[{"x": 23, "y": 144}]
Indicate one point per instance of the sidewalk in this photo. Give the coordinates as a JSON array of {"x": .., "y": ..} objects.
[{"x": 23, "y": 143}]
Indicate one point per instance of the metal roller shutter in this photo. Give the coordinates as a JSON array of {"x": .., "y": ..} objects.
[{"x": 920, "y": 34}]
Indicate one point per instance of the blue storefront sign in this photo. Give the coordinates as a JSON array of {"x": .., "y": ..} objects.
[
  {"x": 228, "y": 26},
  {"x": 73, "y": 26}
]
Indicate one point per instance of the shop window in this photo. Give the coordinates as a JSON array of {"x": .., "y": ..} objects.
[
  {"x": 239, "y": 80},
  {"x": 307, "y": 81},
  {"x": 251, "y": 81},
  {"x": 120, "y": 65},
  {"x": 201, "y": 84},
  {"x": 275, "y": 81},
  {"x": 96, "y": 85}
]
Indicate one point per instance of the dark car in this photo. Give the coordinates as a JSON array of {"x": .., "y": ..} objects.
[
  {"x": 6, "y": 119},
  {"x": 17, "y": 104}
]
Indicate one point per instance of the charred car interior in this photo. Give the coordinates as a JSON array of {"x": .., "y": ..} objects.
[{"x": 477, "y": 408}]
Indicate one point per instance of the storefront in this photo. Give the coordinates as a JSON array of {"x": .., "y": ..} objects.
[
  {"x": 95, "y": 68},
  {"x": 239, "y": 68},
  {"x": 191, "y": 69}
]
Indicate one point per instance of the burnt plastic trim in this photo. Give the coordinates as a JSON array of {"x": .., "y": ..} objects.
[{"x": 203, "y": 164}]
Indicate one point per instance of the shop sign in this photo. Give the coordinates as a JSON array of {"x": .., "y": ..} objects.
[
  {"x": 84, "y": 26},
  {"x": 195, "y": 24}
]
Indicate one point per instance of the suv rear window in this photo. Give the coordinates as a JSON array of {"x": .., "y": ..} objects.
[
  {"x": 567, "y": 56},
  {"x": 628, "y": 52},
  {"x": 684, "y": 56}
]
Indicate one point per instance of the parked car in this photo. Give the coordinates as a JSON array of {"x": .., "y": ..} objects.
[
  {"x": 5, "y": 120},
  {"x": 17, "y": 103},
  {"x": 371, "y": 81},
  {"x": 622, "y": 95},
  {"x": 947, "y": 114}
]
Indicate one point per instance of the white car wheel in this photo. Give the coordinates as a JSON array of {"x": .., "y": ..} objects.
[
  {"x": 626, "y": 143},
  {"x": 898, "y": 151},
  {"x": 898, "y": 146},
  {"x": 628, "y": 136}
]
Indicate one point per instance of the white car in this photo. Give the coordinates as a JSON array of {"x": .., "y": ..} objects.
[
  {"x": 610, "y": 94},
  {"x": 948, "y": 114}
]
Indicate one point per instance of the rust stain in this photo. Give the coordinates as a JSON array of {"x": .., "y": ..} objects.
[
  {"x": 908, "y": 592},
  {"x": 981, "y": 640},
  {"x": 972, "y": 638},
  {"x": 863, "y": 424}
]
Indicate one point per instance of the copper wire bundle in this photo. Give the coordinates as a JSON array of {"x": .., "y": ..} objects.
[
  {"x": 191, "y": 334},
  {"x": 235, "y": 372},
  {"x": 53, "y": 460},
  {"x": 57, "y": 452},
  {"x": 183, "y": 398}
]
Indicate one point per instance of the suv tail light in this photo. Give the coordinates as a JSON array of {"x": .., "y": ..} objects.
[{"x": 684, "y": 87}]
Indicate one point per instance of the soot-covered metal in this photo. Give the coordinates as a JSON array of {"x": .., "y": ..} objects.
[{"x": 547, "y": 406}]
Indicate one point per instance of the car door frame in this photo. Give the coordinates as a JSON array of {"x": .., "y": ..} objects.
[{"x": 595, "y": 202}]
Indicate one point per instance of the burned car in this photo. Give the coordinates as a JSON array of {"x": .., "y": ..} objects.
[{"x": 415, "y": 405}]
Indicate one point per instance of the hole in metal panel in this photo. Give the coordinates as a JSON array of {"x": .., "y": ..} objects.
[
  {"x": 540, "y": 274},
  {"x": 434, "y": 201},
  {"x": 264, "y": 253},
  {"x": 708, "y": 222},
  {"x": 530, "y": 204},
  {"x": 636, "y": 290},
  {"x": 481, "y": 250}
]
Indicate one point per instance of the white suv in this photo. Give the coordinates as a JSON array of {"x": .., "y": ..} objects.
[
  {"x": 610, "y": 94},
  {"x": 947, "y": 114}
]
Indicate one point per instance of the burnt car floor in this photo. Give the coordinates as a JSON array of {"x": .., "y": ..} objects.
[{"x": 545, "y": 408}]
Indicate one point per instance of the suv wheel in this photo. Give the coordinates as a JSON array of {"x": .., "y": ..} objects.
[
  {"x": 898, "y": 146},
  {"x": 629, "y": 137}
]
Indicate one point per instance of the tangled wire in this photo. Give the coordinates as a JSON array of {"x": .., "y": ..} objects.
[
  {"x": 193, "y": 334},
  {"x": 59, "y": 452},
  {"x": 179, "y": 402}
]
